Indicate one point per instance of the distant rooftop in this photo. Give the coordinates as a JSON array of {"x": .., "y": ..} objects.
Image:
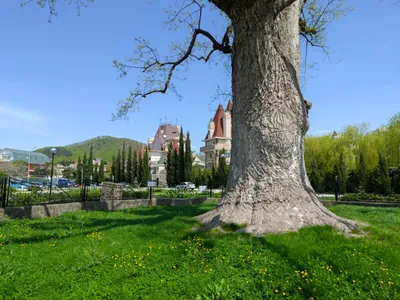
[{"x": 9, "y": 154}]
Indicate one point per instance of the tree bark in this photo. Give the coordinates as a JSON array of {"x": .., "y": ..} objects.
[{"x": 268, "y": 188}]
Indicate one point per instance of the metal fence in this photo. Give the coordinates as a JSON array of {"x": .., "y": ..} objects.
[
  {"x": 15, "y": 192},
  {"x": 19, "y": 192}
]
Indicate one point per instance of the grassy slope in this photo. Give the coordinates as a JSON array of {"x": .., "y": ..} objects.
[
  {"x": 152, "y": 253},
  {"x": 103, "y": 147}
]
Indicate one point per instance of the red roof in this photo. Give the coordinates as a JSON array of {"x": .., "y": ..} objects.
[
  {"x": 218, "y": 118},
  {"x": 218, "y": 121}
]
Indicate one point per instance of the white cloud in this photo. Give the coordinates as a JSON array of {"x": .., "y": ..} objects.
[
  {"x": 22, "y": 121},
  {"x": 20, "y": 115}
]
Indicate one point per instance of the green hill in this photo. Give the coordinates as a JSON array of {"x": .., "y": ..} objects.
[{"x": 104, "y": 147}]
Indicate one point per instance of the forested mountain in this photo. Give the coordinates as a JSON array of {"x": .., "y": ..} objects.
[{"x": 104, "y": 147}]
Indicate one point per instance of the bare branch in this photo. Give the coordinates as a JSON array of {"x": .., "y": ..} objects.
[
  {"x": 155, "y": 68},
  {"x": 51, "y": 4}
]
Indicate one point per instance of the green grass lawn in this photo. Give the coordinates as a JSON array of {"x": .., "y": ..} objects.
[{"x": 152, "y": 253}]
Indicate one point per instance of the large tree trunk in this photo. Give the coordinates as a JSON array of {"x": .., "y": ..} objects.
[{"x": 268, "y": 188}]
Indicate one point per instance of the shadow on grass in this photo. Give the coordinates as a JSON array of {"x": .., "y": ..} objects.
[{"x": 139, "y": 216}]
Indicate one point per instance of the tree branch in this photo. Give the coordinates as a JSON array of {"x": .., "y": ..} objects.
[{"x": 152, "y": 83}]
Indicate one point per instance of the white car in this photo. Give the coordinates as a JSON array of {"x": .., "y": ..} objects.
[{"x": 186, "y": 186}]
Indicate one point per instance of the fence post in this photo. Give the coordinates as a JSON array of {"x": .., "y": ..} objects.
[{"x": 3, "y": 192}]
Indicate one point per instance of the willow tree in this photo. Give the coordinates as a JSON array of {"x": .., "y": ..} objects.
[{"x": 267, "y": 187}]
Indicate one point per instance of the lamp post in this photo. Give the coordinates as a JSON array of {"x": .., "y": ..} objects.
[{"x": 53, "y": 152}]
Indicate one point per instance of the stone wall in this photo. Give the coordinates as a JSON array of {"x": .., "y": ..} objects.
[
  {"x": 54, "y": 210},
  {"x": 44, "y": 210},
  {"x": 111, "y": 191}
]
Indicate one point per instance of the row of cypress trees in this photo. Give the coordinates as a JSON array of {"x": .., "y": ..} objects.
[
  {"x": 86, "y": 169},
  {"x": 133, "y": 168},
  {"x": 380, "y": 180},
  {"x": 179, "y": 163}
]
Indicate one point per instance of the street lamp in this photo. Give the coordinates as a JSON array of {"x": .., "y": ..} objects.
[{"x": 53, "y": 152}]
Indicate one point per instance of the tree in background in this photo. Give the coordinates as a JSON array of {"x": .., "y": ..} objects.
[
  {"x": 123, "y": 163},
  {"x": 146, "y": 169},
  {"x": 362, "y": 174},
  {"x": 384, "y": 177},
  {"x": 175, "y": 167},
  {"x": 181, "y": 161},
  {"x": 221, "y": 173},
  {"x": 84, "y": 169},
  {"x": 140, "y": 168},
  {"x": 170, "y": 167},
  {"x": 90, "y": 162},
  {"x": 315, "y": 176},
  {"x": 101, "y": 172},
  {"x": 118, "y": 167},
  {"x": 129, "y": 166},
  {"x": 78, "y": 178},
  {"x": 135, "y": 166},
  {"x": 68, "y": 173},
  {"x": 113, "y": 168},
  {"x": 342, "y": 173},
  {"x": 188, "y": 158},
  {"x": 197, "y": 174}
]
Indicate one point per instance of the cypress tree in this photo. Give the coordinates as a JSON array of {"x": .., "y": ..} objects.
[
  {"x": 134, "y": 166},
  {"x": 188, "y": 158},
  {"x": 175, "y": 167},
  {"x": 123, "y": 162},
  {"x": 129, "y": 166},
  {"x": 140, "y": 169},
  {"x": 342, "y": 173},
  {"x": 113, "y": 169},
  {"x": 90, "y": 162},
  {"x": 362, "y": 173},
  {"x": 78, "y": 171},
  {"x": 146, "y": 169},
  {"x": 315, "y": 176},
  {"x": 221, "y": 172},
  {"x": 85, "y": 169},
  {"x": 118, "y": 168},
  {"x": 100, "y": 177},
  {"x": 384, "y": 176},
  {"x": 169, "y": 167},
  {"x": 181, "y": 163}
]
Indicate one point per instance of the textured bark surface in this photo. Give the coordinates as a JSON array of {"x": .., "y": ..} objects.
[{"x": 268, "y": 188}]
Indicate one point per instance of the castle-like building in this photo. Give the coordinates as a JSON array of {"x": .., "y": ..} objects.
[
  {"x": 158, "y": 148},
  {"x": 219, "y": 136}
]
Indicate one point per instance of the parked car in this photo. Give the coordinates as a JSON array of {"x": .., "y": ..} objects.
[{"x": 186, "y": 186}]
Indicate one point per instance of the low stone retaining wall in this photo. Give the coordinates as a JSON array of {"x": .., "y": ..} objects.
[
  {"x": 360, "y": 203},
  {"x": 375, "y": 204},
  {"x": 54, "y": 210}
]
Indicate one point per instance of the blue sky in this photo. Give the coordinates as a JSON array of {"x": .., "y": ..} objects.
[{"x": 58, "y": 86}]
